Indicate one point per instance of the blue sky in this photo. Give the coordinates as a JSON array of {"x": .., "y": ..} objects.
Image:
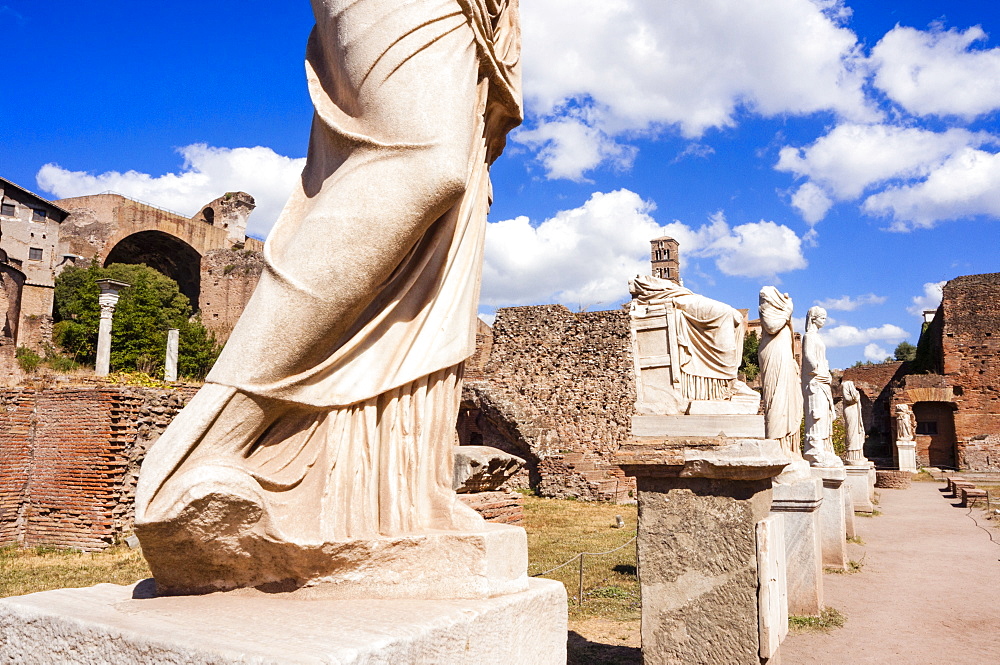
[{"x": 847, "y": 152}]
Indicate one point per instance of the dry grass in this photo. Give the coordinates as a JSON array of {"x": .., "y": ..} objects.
[
  {"x": 39, "y": 569},
  {"x": 829, "y": 619},
  {"x": 559, "y": 530}
]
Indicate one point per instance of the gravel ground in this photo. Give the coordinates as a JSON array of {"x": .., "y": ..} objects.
[{"x": 928, "y": 590}]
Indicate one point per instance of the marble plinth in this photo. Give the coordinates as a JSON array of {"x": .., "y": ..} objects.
[
  {"x": 703, "y": 506},
  {"x": 799, "y": 504},
  {"x": 111, "y": 624},
  {"x": 833, "y": 523},
  {"x": 861, "y": 485},
  {"x": 849, "y": 530},
  {"x": 730, "y": 425},
  {"x": 906, "y": 454}
]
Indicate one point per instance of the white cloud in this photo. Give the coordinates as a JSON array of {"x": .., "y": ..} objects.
[
  {"x": 844, "y": 335},
  {"x": 930, "y": 299},
  {"x": 206, "y": 173},
  {"x": 569, "y": 147},
  {"x": 849, "y": 304},
  {"x": 811, "y": 202},
  {"x": 852, "y": 157},
  {"x": 585, "y": 256},
  {"x": 875, "y": 353},
  {"x": 627, "y": 67},
  {"x": 938, "y": 72},
  {"x": 966, "y": 185}
]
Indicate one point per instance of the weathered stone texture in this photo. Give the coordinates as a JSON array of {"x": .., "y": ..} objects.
[
  {"x": 503, "y": 507},
  {"x": 891, "y": 479},
  {"x": 558, "y": 390},
  {"x": 69, "y": 460},
  {"x": 698, "y": 560},
  {"x": 228, "y": 279}
]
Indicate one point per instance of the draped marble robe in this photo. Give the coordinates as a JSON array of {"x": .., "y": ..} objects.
[
  {"x": 779, "y": 372},
  {"x": 709, "y": 337},
  {"x": 817, "y": 394},
  {"x": 330, "y": 414},
  {"x": 854, "y": 428}
]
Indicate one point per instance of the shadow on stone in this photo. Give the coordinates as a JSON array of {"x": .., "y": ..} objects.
[
  {"x": 581, "y": 651},
  {"x": 144, "y": 590}
]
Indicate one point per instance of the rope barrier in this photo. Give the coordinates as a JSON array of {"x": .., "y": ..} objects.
[{"x": 577, "y": 556}]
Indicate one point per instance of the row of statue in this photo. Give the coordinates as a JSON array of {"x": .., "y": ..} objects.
[{"x": 788, "y": 393}]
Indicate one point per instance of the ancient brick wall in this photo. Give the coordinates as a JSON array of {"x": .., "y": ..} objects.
[
  {"x": 69, "y": 459},
  {"x": 228, "y": 279},
  {"x": 559, "y": 391},
  {"x": 971, "y": 348},
  {"x": 874, "y": 384}
]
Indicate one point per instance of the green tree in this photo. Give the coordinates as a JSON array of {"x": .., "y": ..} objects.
[
  {"x": 147, "y": 308},
  {"x": 749, "y": 366},
  {"x": 905, "y": 351}
]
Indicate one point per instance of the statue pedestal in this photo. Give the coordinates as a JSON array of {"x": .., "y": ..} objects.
[
  {"x": 706, "y": 544},
  {"x": 111, "y": 624},
  {"x": 861, "y": 485},
  {"x": 799, "y": 504},
  {"x": 832, "y": 517},
  {"x": 906, "y": 454}
]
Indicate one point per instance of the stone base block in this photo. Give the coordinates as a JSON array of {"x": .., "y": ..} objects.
[
  {"x": 732, "y": 426},
  {"x": 906, "y": 453},
  {"x": 832, "y": 518},
  {"x": 110, "y": 624},
  {"x": 860, "y": 482},
  {"x": 435, "y": 564},
  {"x": 799, "y": 503}
]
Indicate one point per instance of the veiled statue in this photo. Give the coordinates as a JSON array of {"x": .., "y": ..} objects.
[
  {"x": 854, "y": 428},
  {"x": 817, "y": 394},
  {"x": 779, "y": 371},
  {"x": 330, "y": 415}
]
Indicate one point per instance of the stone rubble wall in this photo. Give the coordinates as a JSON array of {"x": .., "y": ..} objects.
[
  {"x": 228, "y": 279},
  {"x": 559, "y": 391},
  {"x": 503, "y": 507}
]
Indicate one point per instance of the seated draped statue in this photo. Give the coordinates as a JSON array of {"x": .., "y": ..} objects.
[
  {"x": 704, "y": 341},
  {"x": 330, "y": 415}
]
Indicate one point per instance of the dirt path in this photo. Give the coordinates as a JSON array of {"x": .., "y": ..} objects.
[{"x": 928, "y": 591}]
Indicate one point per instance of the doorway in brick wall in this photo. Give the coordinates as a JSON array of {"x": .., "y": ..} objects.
[{"x": 935, "y": 433}]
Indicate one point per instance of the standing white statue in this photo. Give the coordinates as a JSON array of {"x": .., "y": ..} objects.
[
  {"x": 330, "y": 415},
  {"x": 817, "y": 394},
  {"x": 854, "y": 428},
  {"x": 905, "y": 423},
  {"x": 779, "y": 371}
]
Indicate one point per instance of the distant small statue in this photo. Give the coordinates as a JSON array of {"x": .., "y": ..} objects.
[
  {"x": 854, "y": 428},
  {"x": 779, "y": 371},
  {"x": 905, "y": 422},
  {"x": 817, "y": 394}
]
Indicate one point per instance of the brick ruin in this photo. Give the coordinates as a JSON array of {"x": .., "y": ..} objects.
[
  {"x": 555, "y": 388},
  {"x": 70, "y": 457},
  {"x": 953, "y": 385}
]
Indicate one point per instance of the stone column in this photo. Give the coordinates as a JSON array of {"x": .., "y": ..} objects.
[
  {"x": 170, "y": 366},
  {"x": 701, "y": 501},
  {"x": 108, "y": 300},
  {"x": 833, "y": 521},
  {"x": 799, "y": 504}
]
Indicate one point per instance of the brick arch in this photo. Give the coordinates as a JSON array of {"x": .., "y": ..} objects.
[
  {"x": 166, "y": 253},
  {"x": 914, "y": 395}
]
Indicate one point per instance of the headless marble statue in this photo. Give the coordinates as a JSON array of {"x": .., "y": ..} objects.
[
  {"x": 330, "y": 415},
  {"x": 854, "y": 429}
]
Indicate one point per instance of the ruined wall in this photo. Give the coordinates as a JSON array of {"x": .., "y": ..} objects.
[
  {"x": 228, "y": 279},
  {"x": 971, "y": 349},
  {"x": 11, "y": 284},
  {"x": 874, "y": 384},
  {"x": 69, "y": 459},
  {"x": 559, "y": 391}
]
